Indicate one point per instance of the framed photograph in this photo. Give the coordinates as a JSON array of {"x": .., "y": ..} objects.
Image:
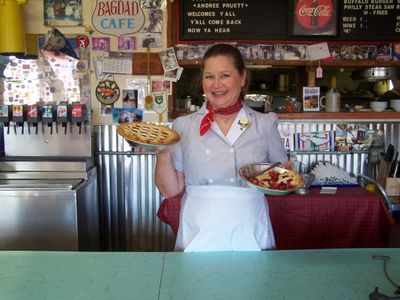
[
  {"x": 62, "y": 13},
  {"x": 100, "y": 44},
  {"x": 311, "y": 98},
  {"x": 314, "y": 17},
  {"x": 126, "y": 43}
]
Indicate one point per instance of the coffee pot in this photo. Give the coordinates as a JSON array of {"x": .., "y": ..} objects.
[{"x": 331, "y": 101}]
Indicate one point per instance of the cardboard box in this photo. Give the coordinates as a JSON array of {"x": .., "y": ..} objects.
[{"x": 392, "y": 186}]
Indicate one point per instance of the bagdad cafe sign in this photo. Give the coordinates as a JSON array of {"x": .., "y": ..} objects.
[{"x": 118, "y": 17}]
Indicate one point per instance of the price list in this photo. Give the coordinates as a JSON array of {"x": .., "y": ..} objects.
[
  {"x": 370, "y": 19},
  {"x": 232, "y": 20}
]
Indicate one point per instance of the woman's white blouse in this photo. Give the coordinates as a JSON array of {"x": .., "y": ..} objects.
[{"x": 215, "y": 159}]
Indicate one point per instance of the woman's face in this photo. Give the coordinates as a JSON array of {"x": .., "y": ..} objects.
[{"x": 222, "y": 82}]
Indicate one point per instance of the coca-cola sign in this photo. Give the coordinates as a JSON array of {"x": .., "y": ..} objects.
[{"x": 313, "y": 17}]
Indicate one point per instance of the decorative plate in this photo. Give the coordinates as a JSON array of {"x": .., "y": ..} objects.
[{"x": 107, "y": 91}]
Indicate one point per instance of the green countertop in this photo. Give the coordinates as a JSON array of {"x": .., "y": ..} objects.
[{"x": 312, "y": 274}]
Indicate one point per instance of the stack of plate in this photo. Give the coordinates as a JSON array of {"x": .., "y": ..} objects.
[
  {"x": 331, "y": 175},
  {"x": 395, "y": 104}
]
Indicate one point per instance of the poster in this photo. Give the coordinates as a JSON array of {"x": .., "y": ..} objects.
[{"x": 62, "y": 13}]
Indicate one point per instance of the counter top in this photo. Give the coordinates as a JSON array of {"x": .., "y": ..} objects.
[{"x": 313, "y": 274}]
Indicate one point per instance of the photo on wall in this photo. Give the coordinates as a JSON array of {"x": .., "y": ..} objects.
[
  {"x": 62, "y": 13},
  {"x": 311, "y": 98},
  {"x": 314, "y": 17}
]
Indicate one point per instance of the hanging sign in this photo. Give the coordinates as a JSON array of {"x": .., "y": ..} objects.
[{"x": 118, "y": 18}]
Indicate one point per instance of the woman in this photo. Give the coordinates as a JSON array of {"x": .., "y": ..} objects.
[{"x": 219, "y": 212}]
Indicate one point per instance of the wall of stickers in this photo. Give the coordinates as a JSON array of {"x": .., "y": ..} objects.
[{"x": 125, "y": 39}]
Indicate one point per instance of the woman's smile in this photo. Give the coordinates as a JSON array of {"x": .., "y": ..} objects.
[{"x": 222, "y": 82}]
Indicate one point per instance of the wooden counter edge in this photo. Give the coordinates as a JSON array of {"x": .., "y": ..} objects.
[{"x": 386, "y": 116}]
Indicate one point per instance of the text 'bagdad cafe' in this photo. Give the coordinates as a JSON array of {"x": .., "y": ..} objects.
[{"x": 118, "y": 17}]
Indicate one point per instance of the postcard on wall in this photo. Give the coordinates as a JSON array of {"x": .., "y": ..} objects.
[
  {"x": 287, "y": 139},
  {"x": 173, "y": 75},
  {"x": 62, "y": 13},
  {"x": 311, "y": 98},
  {"x": 154, "y": 21},
  {"x": 100, "y": 43},
  {"x": 129, "y": 98},
  {"x": 151, "y": 39},
  {"x": 127, "y": 115},
  {"x": 353, "y": 137},
  {"x": 126, "y": 43},
  {"x": 168, "y": 59},
  {"x": 153, "y": 4},
  {"x": 161, "y": 86},
  {"x": 315, "y": 141}
]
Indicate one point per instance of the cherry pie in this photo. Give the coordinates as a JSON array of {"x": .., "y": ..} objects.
[
  {"x": 275, "y": 180},
  {"x": 148, "y": 133}
]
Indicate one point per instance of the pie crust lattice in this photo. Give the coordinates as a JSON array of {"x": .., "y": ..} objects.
[{"x": 148, "y": 133}]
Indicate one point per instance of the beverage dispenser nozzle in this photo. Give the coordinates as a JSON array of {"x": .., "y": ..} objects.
[
  {"x": 78, "y": 115},
  {"x": 5, "y": 116},
  {"x": 33, "y": 118},
  {"x": 62, "y": 116},
  {"x": 48, "y": 116},
  {"x": 18, "y": 116}
]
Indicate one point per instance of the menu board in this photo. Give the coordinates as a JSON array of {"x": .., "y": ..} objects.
[
  {"x": 233, "y": 20},
  {"x": 370, "y": 19},
  {"x": 258, "y": 20}
]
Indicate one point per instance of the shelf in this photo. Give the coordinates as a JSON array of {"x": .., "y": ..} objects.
[
  {"x": 306, "y": 63},
  {"x": 387, "y": 116},
  {"x": 367, "y": 116}
]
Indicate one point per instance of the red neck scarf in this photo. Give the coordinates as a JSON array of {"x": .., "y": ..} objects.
[{"x": 209, "y": 117}]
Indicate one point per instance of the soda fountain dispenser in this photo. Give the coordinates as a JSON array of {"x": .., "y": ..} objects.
[{"x": 48, "y": 179}]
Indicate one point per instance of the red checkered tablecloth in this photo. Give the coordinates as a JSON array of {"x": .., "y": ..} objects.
[{"x": 351, "y": 218}]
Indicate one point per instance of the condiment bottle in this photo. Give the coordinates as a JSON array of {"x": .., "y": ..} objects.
[
  {"x": 332, "y": 83},
  {"x": 188, "y": 102}
]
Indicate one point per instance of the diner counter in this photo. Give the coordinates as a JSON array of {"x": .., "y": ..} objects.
[
  {"x": 314, "y": 274},
  {"x": 351, "y": 218}
]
